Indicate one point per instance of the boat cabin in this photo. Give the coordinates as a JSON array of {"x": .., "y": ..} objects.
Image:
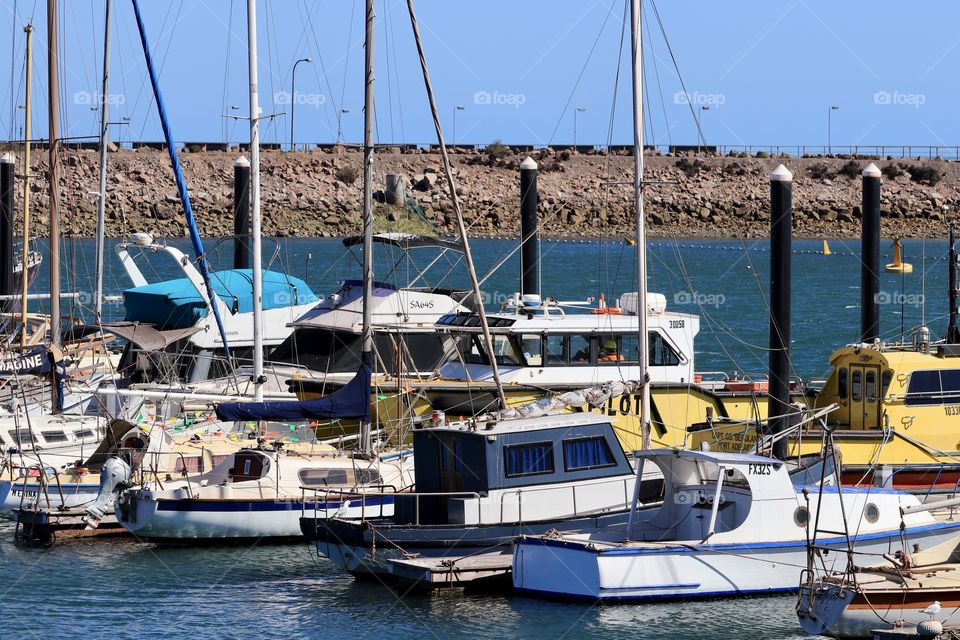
[
  {"x": 328, "y": 337},
  {"x": 501, "y": 461},
  {"x": 562, "y": 345}
]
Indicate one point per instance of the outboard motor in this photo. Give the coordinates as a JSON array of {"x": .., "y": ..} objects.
[{"x": 115, "y": 476}]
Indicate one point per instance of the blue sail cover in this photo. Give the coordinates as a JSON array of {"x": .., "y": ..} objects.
[
  {"x": 351, "y": 401},
  {"x": 176, "y": 304}
]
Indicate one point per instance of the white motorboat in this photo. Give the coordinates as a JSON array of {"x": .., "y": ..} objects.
[{"x": 727, "y": 524}]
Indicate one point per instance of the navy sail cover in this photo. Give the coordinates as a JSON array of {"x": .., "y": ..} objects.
[{"x": 351, "y": 401}]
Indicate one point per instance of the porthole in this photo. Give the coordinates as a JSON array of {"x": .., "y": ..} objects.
[
  {"x": 801, "y": 516},
  {"x": 871, "y": 512}
]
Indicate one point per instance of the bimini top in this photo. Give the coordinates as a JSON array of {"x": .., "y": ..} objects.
[
  {"x": 176, "y": 304},
  {"x": 405, "y": 241}
]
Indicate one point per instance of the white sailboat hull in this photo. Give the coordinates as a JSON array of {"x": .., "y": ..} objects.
[
  {"x": 206, "y": 519},
  {"x": 573, "y": 569}
]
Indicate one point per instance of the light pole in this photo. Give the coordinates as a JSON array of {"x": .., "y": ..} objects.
[
  {"x": 339, "y": 126},
  {"x": 830, "y": 111},
  {"x": 703, "y": 138},
  {"x": 459, "y": 107},
  {"x": 578, "y": 110},
  {"x": 293, "y": 94}
]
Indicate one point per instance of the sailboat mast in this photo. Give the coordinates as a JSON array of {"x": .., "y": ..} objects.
[
  {"x": 25, "y": 254},
  {"x": 53, "y": 113},
  {"x": 642, "y": 356},
  {"x": 368, "y": 115},
  {"x": 104, "y": 141},
  {"x": 255, "y": 202}
]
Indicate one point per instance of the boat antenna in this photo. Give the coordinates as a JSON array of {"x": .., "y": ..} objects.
[
  {"x": 953, "y": 334},
  {"x": 461, "y": 227}
]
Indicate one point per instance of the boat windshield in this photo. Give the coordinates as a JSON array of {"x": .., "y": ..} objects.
[{"x": 473, "y": 351}]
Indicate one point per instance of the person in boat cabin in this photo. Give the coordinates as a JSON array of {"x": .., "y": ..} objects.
[{"x": 609, "y": 352}]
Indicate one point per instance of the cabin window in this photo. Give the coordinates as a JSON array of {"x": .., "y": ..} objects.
[
  {"x": 629, "y": 349},
  {"x": 325, "y": 477},
  {"x": 368, "y": 476},
  {"x": 556, "y": 350},
  {"x": 857, "y": 386},
  {"x": 871, "y": 386},
  {"x": 579, "y": 349},
  {"x": 21, "y": 436},
  {"x": 247, "y": 464},
  {"x": 661, "y": 353},
  {"x": 187, "y": 464},
  {"x": 450, "y": 459},
  {"x": 587, "y": 453},
  {"x": 842, "y": 389},
  {"x": 531, "y": 345},
  {"x": 885, "y": 380},
  {"x": 55, "y": 436},
  {"x": 531, "y": 459},
  {"x": 934, "y": 387}
]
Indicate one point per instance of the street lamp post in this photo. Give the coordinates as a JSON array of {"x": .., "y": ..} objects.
[
  {"x": 578, "y": 110},
  {"x": 339, "y": 124},
  {"x": 700, "y": 135},
  {"x": 293, "y": 94},
  {"x": 459, "y": 107},
  {"x": 830, "y": 111}
]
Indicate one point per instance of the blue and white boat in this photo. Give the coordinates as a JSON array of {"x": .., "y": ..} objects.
[
  {"x": 480, "y": 484},
  {"x": 725, "y": 525}
]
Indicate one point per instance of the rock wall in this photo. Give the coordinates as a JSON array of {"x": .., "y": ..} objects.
[{"x": 318, "y": 193}]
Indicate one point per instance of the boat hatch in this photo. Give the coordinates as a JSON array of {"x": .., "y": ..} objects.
[{"x": 249, "y": 465}]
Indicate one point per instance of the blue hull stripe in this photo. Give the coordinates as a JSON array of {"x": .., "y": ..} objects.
[
  {"x": 655, "y": 596},
  {"x": 261, "y": 505}
]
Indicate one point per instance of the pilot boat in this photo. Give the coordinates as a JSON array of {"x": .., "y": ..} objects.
[{"x": 896, "y": 410}]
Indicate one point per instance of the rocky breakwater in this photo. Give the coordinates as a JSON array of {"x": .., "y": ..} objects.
[{"x": 318, "y": 193}]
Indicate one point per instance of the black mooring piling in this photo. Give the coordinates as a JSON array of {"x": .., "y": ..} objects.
[
  {"x": 953, "y": 332},
  {"x": 529, "y": 235},
  {"x": 870, "y": 256},
  {"x": 241, "y": 213},
  {"x": 7, "y": 190},
  {"x": 781, "y": 231}
]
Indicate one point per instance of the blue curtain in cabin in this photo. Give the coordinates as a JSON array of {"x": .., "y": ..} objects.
[
  {"x": 587, "y": 453},
  {"x": 529, "y": 459}
]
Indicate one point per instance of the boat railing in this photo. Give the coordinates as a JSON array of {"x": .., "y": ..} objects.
[
  {"x": 348, "y": 495},
  {"x": 888, "y": 482},
  {"x": 625, "y": 482}
]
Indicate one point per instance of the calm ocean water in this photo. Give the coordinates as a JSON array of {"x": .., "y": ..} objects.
[{"x": 123, "y": 589}]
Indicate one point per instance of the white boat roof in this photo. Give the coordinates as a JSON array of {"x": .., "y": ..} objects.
[
  {"x": 513, "y": 425},
  {"x": 579, "y": 322},
  {"x": 393, "y": 308},
  {"x": 706, "y": 456},
  {"x": 406, "y": 241}
]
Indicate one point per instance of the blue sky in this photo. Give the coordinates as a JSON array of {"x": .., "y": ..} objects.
[{"x": 768, "y": 71}]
